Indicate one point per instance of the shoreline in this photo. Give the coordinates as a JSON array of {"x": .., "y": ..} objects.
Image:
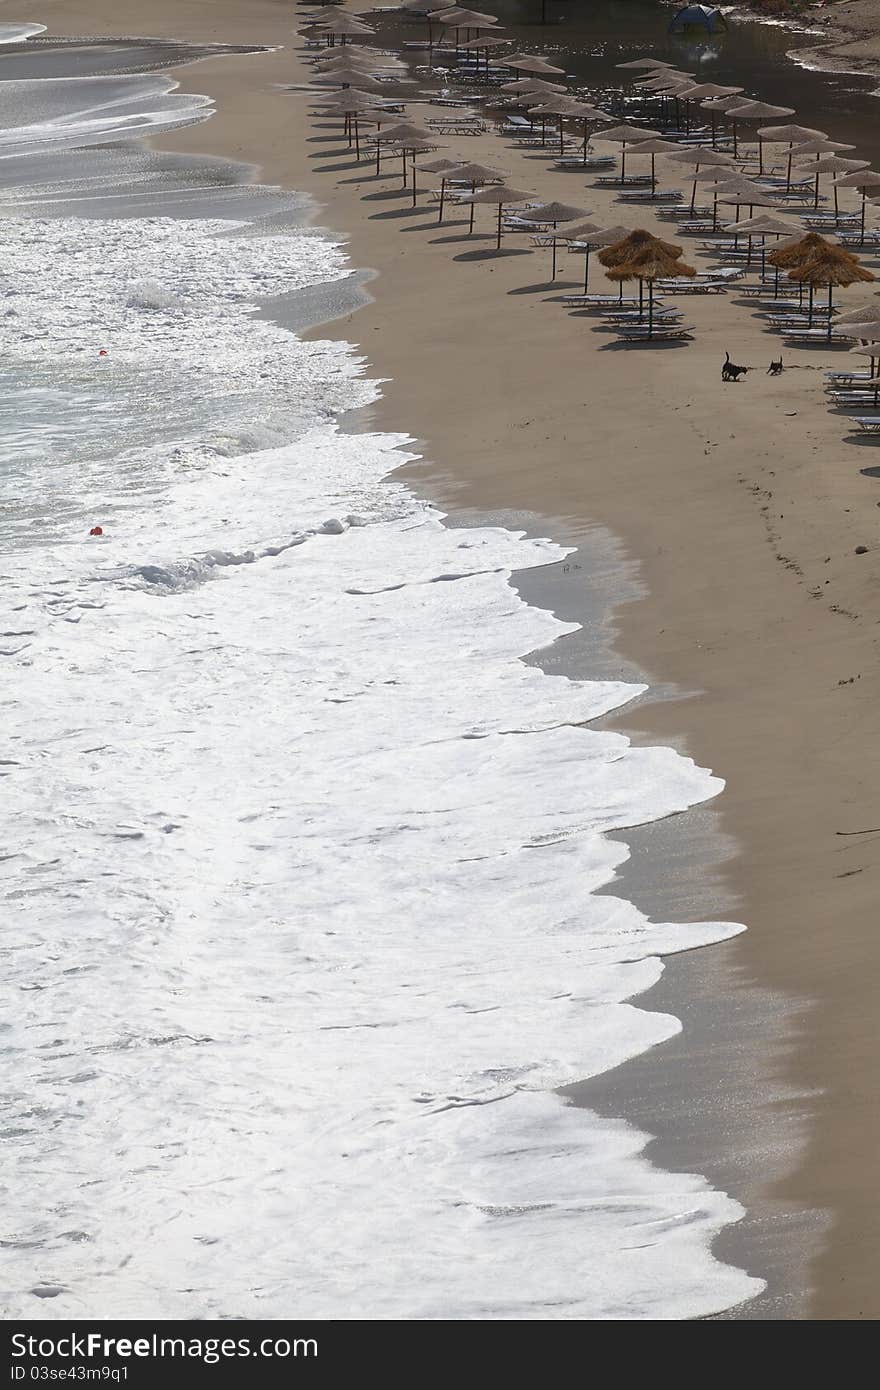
[{"x": 782, "y": 871}]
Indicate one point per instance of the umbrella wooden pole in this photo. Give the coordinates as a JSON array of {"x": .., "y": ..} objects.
[
  {"x": 650, "y": 306},
  {"x": 586, "y": 270},
  {"x": 553, "y": 276},
  {"x": 584, "y": 150},
  {"x": 414, "y": 189},
  {"x": 471, "y": 224},
  {"x": 816, "y": 192},
  {"x": 735, "y": 146},
  {"x": 561, "y": 124},
  {"x": 836, "y": 208},
  {"x": 403, "y": 166},
  {"x": 864, "y": 201},
  {"x": 694, "y": 193},
  {"x": 378, "y": 151},
  {"x": 357, "y": 140},
  {"x": 498, "y": 241},
  {"x": 830, "y": 306},
  {"x": 653, "y": 176},
  {"x": 623, "y": 162},
  {"x": 442, "y": 200}
]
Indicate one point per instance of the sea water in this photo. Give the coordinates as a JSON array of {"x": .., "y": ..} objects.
[{"x": 300, "y": 862}]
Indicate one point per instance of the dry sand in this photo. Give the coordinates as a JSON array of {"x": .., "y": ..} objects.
[{"x": 743, "y": 504}]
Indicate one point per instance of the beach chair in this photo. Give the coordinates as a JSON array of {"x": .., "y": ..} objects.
[
  {"x": 870, "y": 424},
  {"x": 650, "y": 195},
  {"x": 615, "y": 181},
  {"x": 658, "y": 334}
]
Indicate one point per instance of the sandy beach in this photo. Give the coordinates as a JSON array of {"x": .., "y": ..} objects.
[{"x": 746, "y": 511}]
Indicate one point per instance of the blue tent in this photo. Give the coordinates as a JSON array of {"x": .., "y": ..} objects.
[{"x": 696, "y": 19}]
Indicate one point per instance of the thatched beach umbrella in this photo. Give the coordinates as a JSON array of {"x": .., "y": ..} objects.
[
  {"x": 866, "y": 182},
  {"x": 443, "y": 167},
  {"x": 762, "y": 226},
  {"x": 628, "y": 134},
  {"x": 532, "y": 86},
  {"x": 791, "y": 135},
  {"x": 553, "y": 213},
  {"x": 476, "y": 175},
  {"x": 797, "y": 251},
  {"x": 705, "y": 91},
  {"x": 343, "y": 26},
  {"x": 830, "y": 267},
  {"x": 344, "y": 77},
  {"x": 760, "y": 111},
  {"x": 702, "y": 159},
  {"x": 647, "y": 265},
  {"x": 500, "y": 196},
  {"x": 404, "y": 135},
  {"x": 528, "y": 62},
  {"x": 653, "y": 148},
  {"x": 864, "y": 313},
  {"x": 642, "y": 65},
  {"x": 568, "y": 109},
  {"x": 827, "y": 163},
  {"x": 351, "y": 104},
  {"x": 726, "y": 106},
  {"x": 621, "y": 252},
  {"x": 592, "y": 237}
]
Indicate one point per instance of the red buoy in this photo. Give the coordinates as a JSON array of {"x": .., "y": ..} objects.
[
  {"x": 103, "y": 352},
  {"x": 97, "y": 531}
]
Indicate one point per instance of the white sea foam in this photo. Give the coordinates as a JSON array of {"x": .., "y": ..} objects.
[{"x": 302, "y": 859}]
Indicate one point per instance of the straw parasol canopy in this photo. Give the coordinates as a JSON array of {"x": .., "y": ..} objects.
[
  {"x": 828, "y": 164},
  {"x": 501, "y": 196},
  {"x": 349, "y": 77},
  {"x": 532, "y": 85},
  {"x": 591, "y": 237},
  {"x": 791, "y": 135},
  {"x": 653, "y": 148},
  {"x": 342, "y": 26},
  {"x": 760, "y": 111},
  {"x": 408, "y": 137},
  {"x": 554, "y": 213},
  {"x": 702, "y": 160},
  {"x": 867, "y": 332},
  {"x": 642, "y": 64},
  {"x": 762, "y": 226},
  {"x": 832, "y": 267},
  {"x": 443, "y": 167},
  {"x": 628, "y": 134},
  {"x": 475, "y": 175},
  {"x": 529, "y": 62},
  {"x": 648, "y": 264},
  {"x": 726, "y": 106},
  {"x": 567, "y": 108},
  {"x": 866, "y": 313},
  {"x": 629, "y": 246},
  {"x": 866, "y": 182}
]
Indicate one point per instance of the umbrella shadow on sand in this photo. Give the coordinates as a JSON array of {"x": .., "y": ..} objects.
[
  {"x": 655, "y": 344},
  {"x": 492, "y": 254},
  {"x": 393, "y": 214},
  {"x": 455, "y": 240},
  {"x": 546, "y": 285}
]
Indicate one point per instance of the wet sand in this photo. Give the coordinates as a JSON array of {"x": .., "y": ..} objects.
[{"x": 744, "y": 506}]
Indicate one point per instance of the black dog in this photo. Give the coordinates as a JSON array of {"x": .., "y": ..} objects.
[
  {"x": 775, "y": 368},
  {"x": 730, "y": 371}
]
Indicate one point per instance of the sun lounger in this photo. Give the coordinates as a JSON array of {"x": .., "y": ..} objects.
[
  {"x": 842, "y": 377},
  {"x": 602, "y": 301},
  {"x": 869, "y": 423},
  {"x": 615, "y": 181},
  {"x": 660, "y": 334},
  {"x": 695, "y": 286},
  {"x": 650, "y": 195},
  {"x": 592, "y": 162}
]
